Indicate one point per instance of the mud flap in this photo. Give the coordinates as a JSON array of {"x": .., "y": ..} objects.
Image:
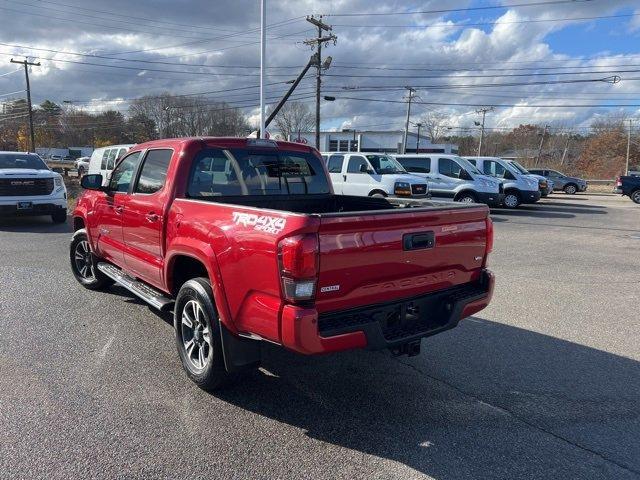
[{"x": 239, "y": 353}]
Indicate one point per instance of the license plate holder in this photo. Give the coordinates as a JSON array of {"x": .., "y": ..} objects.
[{"x": 24, "y": 205}]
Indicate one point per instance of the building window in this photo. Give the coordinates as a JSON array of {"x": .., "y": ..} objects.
[
  {"x": 344, "y": 146},
  {"x": 353, "y": 145},
  {"x": 333, "y": 145}
]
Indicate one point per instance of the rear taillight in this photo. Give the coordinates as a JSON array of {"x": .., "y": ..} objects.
[
  {"x": 298, "y": 261},
  {"x": 489, "y": 236},
  {"x": 618, "y": 182}
]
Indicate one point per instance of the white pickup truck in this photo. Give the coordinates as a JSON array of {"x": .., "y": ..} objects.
[{"x": 29, "y": 188}]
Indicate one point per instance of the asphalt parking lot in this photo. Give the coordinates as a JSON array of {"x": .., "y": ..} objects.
[{"x": 545, "y": 383}]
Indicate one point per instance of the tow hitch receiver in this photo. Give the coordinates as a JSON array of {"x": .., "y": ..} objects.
[{"x": 410, "y": 349}]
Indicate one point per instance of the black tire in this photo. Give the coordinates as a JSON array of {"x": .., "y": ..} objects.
[
  {"x": 570, "y": 189},
  {"x": 59, "y": 217},
  {"x": 467, "y": 197},
  {"x": 207, "y": 371},
  {"x": 635, "y": 196},
  {"x": 91, "y": 278},
  {"x": 511, "y": 199}
]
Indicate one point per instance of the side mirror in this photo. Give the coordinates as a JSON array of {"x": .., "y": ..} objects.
[
  {"x": 364, "y": 168},
  {"x": 464, "y": 175},
  {"x": 92, "y": 182}
]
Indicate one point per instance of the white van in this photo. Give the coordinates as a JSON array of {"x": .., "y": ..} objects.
[
  {"x": 518, "y": 188},
  {"x": 373, "y": 175},
  {"x": 103, "y": 160},
  {"x": 453, "y": 177}
]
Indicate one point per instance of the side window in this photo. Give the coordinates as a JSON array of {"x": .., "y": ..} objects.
[
  {"x": 448, "y": 167},
  {"x": 335, "y": 163},
  {"x": 121, "y": 153},
  {"x": 416, "y": 164},
  {"x": 111, "y": 161},
  {"x": 355, "y": 163},
  {"x": 491, "y": 167},
  {"x": 105, "y": 156},
  {"x": 154, "y": 171},
  {"x": 472, "y": 161},
  {"x": 123, "y": 175}
]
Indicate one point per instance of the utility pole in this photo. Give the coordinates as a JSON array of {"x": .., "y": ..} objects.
[
  {"x": 406, "y": 125},
  {"x": 626, "y": 168},
  {"x": 27, "y": 64},
  {"x": 419, "y": 124},
  {"x": 263, "y": 58},
  {"x": 544, "y": 132},
  {"x": 483, "y": 111},
  {"x": 566, "y": 148},
  {"x": 319, "y": 40}
]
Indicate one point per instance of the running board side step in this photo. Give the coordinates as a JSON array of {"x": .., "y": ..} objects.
[{"x": 141, "y": 290}]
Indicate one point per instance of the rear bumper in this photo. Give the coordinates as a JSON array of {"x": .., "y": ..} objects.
[
  {"x": 384, "y": 325},
  {"x": 490, "y": 199}
]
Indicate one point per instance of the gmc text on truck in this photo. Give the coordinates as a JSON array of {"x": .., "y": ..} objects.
[{"x": 246, "y": 242}]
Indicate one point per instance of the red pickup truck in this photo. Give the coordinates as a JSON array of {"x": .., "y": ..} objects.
[{"x": 245, "y": 241}]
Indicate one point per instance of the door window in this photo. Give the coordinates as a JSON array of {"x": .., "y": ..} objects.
[
  {"x": 355, "y": 163},
  {"x": 416, "y": 164},
  {"x": 449, "y": 168},
  {"x": 491, "y": 167},
  {"x": 335, "y": 163},
  {"x": 111, "y": 161},
  {"x": 154, "y": 171},
  {"x": 122, "y": 176},
  {"x": 105, "y": 156}
]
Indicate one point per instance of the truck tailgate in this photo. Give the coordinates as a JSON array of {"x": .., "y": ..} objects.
[{"x": 378, "y": 257}]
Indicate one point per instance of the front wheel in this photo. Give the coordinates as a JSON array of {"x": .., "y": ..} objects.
[
  {"x": 83, "y": 264},
  {"x": 570, "y": 189},
  {"x": 197, "y": 332},
  {"x": 635, "y": 196},
  {"x": 511, "y": 200}
]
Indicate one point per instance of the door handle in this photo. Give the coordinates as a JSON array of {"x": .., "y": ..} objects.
[
  {"x": 152, "y": 217},
  {"x": 119, "y": 209},
  {"x": 344, "y": 178}
]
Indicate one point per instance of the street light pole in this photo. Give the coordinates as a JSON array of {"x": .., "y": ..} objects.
[
  {"x": 544, "y": 132},
  {"x": 418, "y": 140},
  {"x": 263, "y": 47},
  {"x": 27, "y": 64}
]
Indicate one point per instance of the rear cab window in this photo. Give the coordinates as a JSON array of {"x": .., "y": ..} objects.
[{"x": 232, "y": 172}]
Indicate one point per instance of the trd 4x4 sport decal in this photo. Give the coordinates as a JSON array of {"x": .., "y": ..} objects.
[{"x": 263, "y": 223}]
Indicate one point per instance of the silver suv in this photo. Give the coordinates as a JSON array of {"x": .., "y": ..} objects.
[{"x": 561, "y": 181}]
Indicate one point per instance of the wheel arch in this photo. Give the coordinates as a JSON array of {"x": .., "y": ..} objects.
[
  {"x": 185, "y": 262},
  {"x": 466, "y": 190},
  {"x": 377, "y": 190}
]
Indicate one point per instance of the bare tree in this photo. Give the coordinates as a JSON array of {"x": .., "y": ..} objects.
[
  {"x": 435, "y": 124},
  {"x": 294, "y": 117}
]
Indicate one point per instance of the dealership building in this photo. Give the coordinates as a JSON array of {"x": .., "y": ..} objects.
[{"x": 373, "y": 141}]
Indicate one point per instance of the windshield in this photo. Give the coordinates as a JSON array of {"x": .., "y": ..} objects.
[
  {"x": 519, "y": 167},
  {"x": 21, "y": 160},
  {"x": 231, "y": 172},
  {"x": 468, "y": 166},
  {"x": 384, "y": 164}
]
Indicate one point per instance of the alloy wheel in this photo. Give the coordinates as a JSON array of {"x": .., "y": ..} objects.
[
  {"x": 196, "y": 335},
  {"x": 511, "y": 201},
  {"x": 83, "y": 261}
]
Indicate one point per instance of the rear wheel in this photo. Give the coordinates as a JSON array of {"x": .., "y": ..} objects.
[
  {"x": 59, "y": 217},
  {"x": 466, "y": 197},
  {"x": 635, "y": 196},
  {"x": 511, "y": 199},
  {"x": 83, "y": 263},
  {"x": 571, "y": 189},
  {"x": 197, "y": 331}
]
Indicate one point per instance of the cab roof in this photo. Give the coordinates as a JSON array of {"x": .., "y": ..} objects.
[{"x": 224, "y": 142}]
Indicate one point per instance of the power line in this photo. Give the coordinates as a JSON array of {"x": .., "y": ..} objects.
[
  {"x": 498, "y": 22},
  {"x": 450, "y": 10},
  {"x": 529, "y": 74}
]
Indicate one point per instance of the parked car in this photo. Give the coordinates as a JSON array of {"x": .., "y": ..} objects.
[
  {"x": 55, "y": 158},
  {"x": 562, "y": 182},
  {"x": 103, "y": 159},
  {"x": 82, "y": 165},
  {"x": 629, "y": 186},
  {"x": 245, "y": 241},
  {"x": 544, "y": 184},
  {"x": 518, "y": 188},
  {"x": 453, "y": 177},
  {"x": 372, "y": 175},
  {"x": 29, "y": 188}
]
